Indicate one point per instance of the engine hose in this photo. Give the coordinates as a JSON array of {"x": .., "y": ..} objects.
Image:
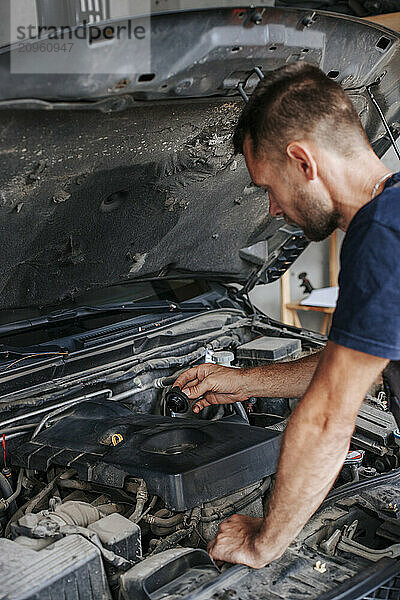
[
  {"x": 30, "y": 504},
  {"x": 164, "y": 382},
  {"x": 141, "y": 499},
  {"x": 5, "y": 503},
  {"x": 6, "y": 492},
  {"x": 156, "y": 364},
  {"x": 171, "y": 540},
  {"x": 18, "y": 428},
  {"x": 14, "y": 517},
  {"x": 152, "y": 504},
  {"x": 71, "y": 403},
  {"x": 96, "y": 375},
  {"x": 46, "y": 490},
  {"x": 132, "y": 392},
  {"x": 73, "y": 484},
  {"x": 48, "y": 409},
  {"x": 166, "y": 362},
  {"x": 234, "y": 508},
  {"x": 164, "y": 522}
]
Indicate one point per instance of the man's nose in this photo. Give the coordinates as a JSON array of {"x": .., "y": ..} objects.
[{"x": 274, "y": 208}]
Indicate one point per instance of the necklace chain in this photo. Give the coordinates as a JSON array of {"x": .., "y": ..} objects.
[{"x": 378, "y": 183}]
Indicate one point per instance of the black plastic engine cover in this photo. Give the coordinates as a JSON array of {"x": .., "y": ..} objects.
[{"x": 185, "y": 462}]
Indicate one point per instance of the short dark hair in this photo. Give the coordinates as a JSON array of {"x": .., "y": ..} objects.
[{"x": 297, "y": 101}]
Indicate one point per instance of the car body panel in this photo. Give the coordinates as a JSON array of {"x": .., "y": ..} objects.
[{"x": 105, "y": 196}]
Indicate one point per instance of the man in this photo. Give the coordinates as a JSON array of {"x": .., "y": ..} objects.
[{"x": 304, "y": 144}]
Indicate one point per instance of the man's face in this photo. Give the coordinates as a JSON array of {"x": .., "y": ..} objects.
[{"x": 292, "y": 197}]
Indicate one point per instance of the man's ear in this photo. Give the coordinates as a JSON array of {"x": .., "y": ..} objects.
[{"x": 303, "y": 159}]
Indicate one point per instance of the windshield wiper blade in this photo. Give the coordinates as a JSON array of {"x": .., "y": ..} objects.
[{"x": 57, "y": 317}]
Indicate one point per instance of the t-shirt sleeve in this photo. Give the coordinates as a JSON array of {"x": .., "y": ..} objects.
[{"x": 367, "y": 316}]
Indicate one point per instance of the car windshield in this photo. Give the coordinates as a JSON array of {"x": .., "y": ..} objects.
[{"x": 146, "y": 292}]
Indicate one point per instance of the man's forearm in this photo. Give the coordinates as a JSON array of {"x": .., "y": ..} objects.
[
  {"x": 314, "y": 446},
  {"x": 283, "y": 380},
  {"x": 316, "y": 442},
  {"x": 311, "y": 458}
]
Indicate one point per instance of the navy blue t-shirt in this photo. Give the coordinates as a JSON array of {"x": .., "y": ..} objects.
[{"x": 367, "y": 315}]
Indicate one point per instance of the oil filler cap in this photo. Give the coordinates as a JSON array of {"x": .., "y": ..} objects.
[{"x": 176, "y": 401}]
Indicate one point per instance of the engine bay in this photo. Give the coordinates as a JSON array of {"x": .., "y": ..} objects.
[{"x": 102, "y": 476}]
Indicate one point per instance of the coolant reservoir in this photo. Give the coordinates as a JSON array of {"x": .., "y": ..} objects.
[{"x": 223, "y": 358}]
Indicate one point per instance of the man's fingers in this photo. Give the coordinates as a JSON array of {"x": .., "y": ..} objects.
[
  {"x": 191, "y": 383},
  {"x": 186, "y": 377},
  {"x": 186, "y": 389},
  {"x": 223, "y": 526},
  {"x": 227, "y": 525},
  {"x": 217, "y": 552},
  {"x": 200, "y": 389},
  {"x": 199, "y": 405},
  {"x": 212, "y": 549},
  {"x": 208, "y": 400}
]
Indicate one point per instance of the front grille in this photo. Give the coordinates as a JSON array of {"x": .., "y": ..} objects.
[{"x": 388, "y": 591}]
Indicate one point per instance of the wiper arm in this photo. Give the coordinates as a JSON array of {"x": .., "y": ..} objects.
[{"x": 62, "y": 316}]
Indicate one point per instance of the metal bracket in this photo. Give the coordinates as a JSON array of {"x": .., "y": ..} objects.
[
  {"x": 241, "y": 85},
  {"x": 105, "y": 105},
  {"x": 343, "y": 540}
]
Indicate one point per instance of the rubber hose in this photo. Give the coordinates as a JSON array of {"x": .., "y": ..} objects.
[
  {"x": 171, "y": 541},
  {"x": 47, "y": 490},
  {"x": 141, "y": 499},
  {"x": 166, "y": 522},
  {"x": 6, "y": 491},
  {"x": 240, "y": 505},
  {"x": 18, "y": 489}
]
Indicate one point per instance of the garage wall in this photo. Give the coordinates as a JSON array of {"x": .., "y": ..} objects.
[{"x": 315, "y": 261}]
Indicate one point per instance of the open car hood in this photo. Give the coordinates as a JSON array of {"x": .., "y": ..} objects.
[{"x": 93, "y": 195}]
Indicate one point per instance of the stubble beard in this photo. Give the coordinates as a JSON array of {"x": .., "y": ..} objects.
[{"x": 316, "y": 220}]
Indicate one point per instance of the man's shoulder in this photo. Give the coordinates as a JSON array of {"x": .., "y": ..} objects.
[{"x": 367, "y": 316}]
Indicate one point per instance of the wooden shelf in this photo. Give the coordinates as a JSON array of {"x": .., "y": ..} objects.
[
  {"x": 391, "y": 20},
  {"x": 289, "y": 309},
  {"x": 323, "y": 309}
]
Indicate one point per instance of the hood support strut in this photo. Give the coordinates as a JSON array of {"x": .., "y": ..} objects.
[{"x": 381, "y": 115}]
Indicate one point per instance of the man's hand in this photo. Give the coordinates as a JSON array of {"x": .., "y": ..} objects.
[
  {"x": 239, "y": 542},
  {"x": 224, "y": 385},
  {"x": 216, "y": 385}
]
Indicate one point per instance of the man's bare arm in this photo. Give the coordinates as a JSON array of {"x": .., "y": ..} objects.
[
  {"x": 314, "y": 448},
  {"x": 223, "y": 385},
  {"x": 283, "y": 380}
]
